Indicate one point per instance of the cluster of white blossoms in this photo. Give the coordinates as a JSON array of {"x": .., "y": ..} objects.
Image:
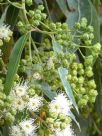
[
  {"x": 23, "y": 101},
  {"x": 68, "y": 131},
  {"x": 5, "y": 32},
  {"x": 60, "y": 104},
  {"x": 24, "y": 128}
]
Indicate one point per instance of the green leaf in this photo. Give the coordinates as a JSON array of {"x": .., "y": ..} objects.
[
  {"x": 47, "y": 91},
  {"x": 70, "y": 114},
  {"x": 63, "y": 72},
  {"x": 63, "y": 6},
  {"x": 56, "y": 47},
  {"x": 13, "y": 62},
  {"x": 3, "y": 15},
  {"x": 74, "y": 13}
]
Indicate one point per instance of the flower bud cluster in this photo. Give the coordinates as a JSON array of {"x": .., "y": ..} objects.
[
  {"x": 35, "y": 17},
  {"x": 7, "y": 111}
]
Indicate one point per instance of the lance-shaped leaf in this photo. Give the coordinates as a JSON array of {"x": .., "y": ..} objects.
[
  {"x": 3, "y": 16},
  {"x": 13, "y": 62},
  {"x": 70, "y": 114},
  {"x": 63, "y": 72}
]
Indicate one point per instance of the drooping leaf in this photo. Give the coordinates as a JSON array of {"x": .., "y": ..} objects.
[
  {"x": 62, "y": 73},
  {"x": 70, "y": 114},
  {"x": 47, "y": 91},
  {"x": 13, "y": 62},
  {"x": 3, "y": 15}
]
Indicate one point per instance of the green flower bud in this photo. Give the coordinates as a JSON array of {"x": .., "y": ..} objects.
[
  {"x": 9, "y": 99},
  {"x": 37, "y": 16},
  {"x": 83, "y": 22},
  {"x": 82, "y": 102},
  {"x": 93, "y": 92},
  {"x": 88, "y": 42},
  {"x": 73, "y": 86},
  {"x": 81, "y": 72},
  {"x": 92, "y": 99},
  {"x": 91, "y": 36},
  {"x": 49, "y": 120},
  {"x": 25, "y": 98},
  {"x": 74, "y": 79},
  {"x": 57, "y": 124},
  {"x": 41, "y": 7},
  {"x": 90, "y": 29},
  {"x": 1, "y": 42},
  {"x": 67, "y": 120},
  {"x": 7, "y": 39},
  {"x": 89, "y": 73},
  {"x": 31, "y": 92},
  {"x": 36, "y": 22},
  {"x": 53, "y": 115},
  {"x": 80, "y": 66},
  {"x": 13, "y": 111},
  {"x": 69, "y": 77},
  {"x": 82, "y": 90},
  {"x": 1, "y": 104},
  {"x": 91, "y": 84},
  {"x": 61, "y": 116},
  {"x": 64, "y": 26},
  {"x": 96, "y": 48},
  {"x": 74, "y": 66},
  {"x": 63, "y": 125},
  {"x": 88, "y": 60},
  {"x": 7, "y": 105},
  {"x": 81, "y": 80},
  {"x": 29, "y": 2},
  {"x": 2, "y": 96},
  {"x": 40, "y": 132},
  {"x": 43, "y": 16},
  {"x": 77, "y": 25},
  {"x": 58, "y": 25},
  {"x": 85, "y": 36},
  {"x": 31, "y": 13},
  {"x": 9, "y": 118},
  {"x": 20, "y": 24},
  {"x": 74, "y": 72}
]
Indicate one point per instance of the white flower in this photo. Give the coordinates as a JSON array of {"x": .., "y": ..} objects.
[
  {"x": 50, "y": 63},
  {"x": 28, "y": 127},
  {"x": 68, "y": 131},
  {"x": 5, "y": 32},
  {"x": 34, "y": 103},
  {"x": 37, "y": 76},
  {"x": 60, "y": 104},
  {"x": 20, "y": 89},
  {"x": 19, "y": 104},
  {"x": 16, "y": 131}
]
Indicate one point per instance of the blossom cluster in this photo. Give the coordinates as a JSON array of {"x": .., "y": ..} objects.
[{"x": 55, "y": 118}]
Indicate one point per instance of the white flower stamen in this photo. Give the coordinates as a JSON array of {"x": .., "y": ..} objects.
[
  {"x": 34, "y": 103},
  {"x": 28, "y": 127}
]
